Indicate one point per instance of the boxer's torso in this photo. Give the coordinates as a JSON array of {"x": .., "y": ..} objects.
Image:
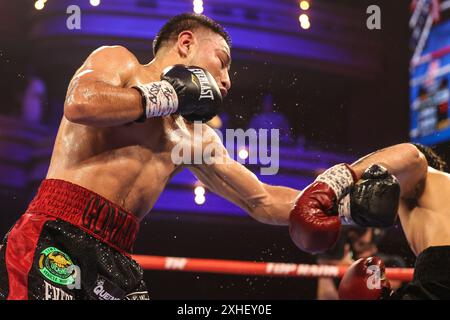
[
  {"x": 129, "y": 164},
  {"x": 428, "y": 223}
]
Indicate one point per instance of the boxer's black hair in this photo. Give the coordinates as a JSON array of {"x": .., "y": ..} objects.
[
  {"x": 187, "y": 21},
  {"x": 433, "y": 159}
]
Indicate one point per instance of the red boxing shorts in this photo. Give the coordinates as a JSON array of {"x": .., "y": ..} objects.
[{"x": 71, "y": 243}]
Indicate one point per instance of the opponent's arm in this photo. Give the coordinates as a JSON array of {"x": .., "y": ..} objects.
[
  {"x": 365, "y": 193},
  {"x": 404, "y": 161}
]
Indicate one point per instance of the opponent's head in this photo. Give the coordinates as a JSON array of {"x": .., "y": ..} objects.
[
  {"x": 433, "y": 159},
  {"x": 196, "y": 40}
]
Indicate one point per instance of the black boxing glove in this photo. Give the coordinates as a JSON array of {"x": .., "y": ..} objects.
[
  {"x": 373, "y": 201},
  {"x": 189, "y": 91},
  {"x": 198, "y": 93}
]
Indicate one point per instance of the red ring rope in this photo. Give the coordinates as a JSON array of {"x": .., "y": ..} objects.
[{"x": 256, "y": 268}]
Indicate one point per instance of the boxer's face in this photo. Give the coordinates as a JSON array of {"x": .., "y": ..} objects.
[{"x": 211, "y": 52}]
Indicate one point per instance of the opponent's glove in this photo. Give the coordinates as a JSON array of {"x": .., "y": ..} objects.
[
  {"x": 365, "y": 279},
  {"x": 333, "y": 198}
]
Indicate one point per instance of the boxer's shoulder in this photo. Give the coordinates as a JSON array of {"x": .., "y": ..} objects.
[
  {"x": 438, "y": 175},
  {"x": 114, "y": 51},
  {"x": 116, "y": 58},
  {"x": 437, "y": 189}
]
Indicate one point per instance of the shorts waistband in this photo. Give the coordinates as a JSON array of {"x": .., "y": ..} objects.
[{"x": 91, "y": 212}]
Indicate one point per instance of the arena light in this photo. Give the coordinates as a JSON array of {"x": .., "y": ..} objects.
[
  {"x": 304, "y": 5},
  {"x": 200, "y": 200},
  {"x": 243, "y": 154},
  {"x": 198, "y": 6},
  {"x": 39, "y": 5},
  {"x": 199, "y": 191},
  {"x": 198, "y": 10},
  {"x": 303, "y": 18},
  {"x": 305, "y": 25},
  {"x": 94, "y": 3}
]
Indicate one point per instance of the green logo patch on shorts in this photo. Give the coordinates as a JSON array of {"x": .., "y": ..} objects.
[{"x": 54, "y": 264}]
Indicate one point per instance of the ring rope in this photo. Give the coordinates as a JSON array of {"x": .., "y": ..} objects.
[{"x": 256, "y": 268}]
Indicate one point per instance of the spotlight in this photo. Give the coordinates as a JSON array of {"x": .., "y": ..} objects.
[
  {"x": 304, "y": 5},
  {"x": 199, "y": 199},
  {"x": 198, "y": 6},
  {"x": 39, "y": 5},
  {"x": 243, "y": 154},
  {"x": 303, "y": 18},
  {"x": 305, "y": 25},
  {"x": 198, "y": 10},
  {"x": 199, "y": 191}
]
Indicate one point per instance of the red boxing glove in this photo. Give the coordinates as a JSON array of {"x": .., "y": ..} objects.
[
  {"x": 314, "y": 222},
  {"x": 365, "y": 279}
]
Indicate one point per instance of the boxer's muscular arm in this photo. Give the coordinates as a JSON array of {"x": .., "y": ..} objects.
[
  {"x": 404, "y": 161},
  {"x": 97, "y": 94},
  {"x": 230, "y": 179}
]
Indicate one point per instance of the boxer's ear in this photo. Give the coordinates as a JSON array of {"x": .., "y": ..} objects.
[{"x": 186, "y": 40}]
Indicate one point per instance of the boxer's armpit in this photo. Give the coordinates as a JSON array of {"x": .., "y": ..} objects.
[{"x": 411, "y": 198}]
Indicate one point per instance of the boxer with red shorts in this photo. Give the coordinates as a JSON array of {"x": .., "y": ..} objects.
[{"x": 71, "y": 244}]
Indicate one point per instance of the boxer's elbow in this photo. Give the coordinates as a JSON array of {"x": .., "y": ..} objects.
[
  {"x": 81, "y": 110},
  {"x": 275, "y": 206},
  {"x": 415, "y": 170},
  {"x": 80, "y": 104},
  {"x": 270, "y": 213},
  {"x": 76, "y": 112},
  {"x": 264, "y": 216},
  {"x": 416, "y": 162}
]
